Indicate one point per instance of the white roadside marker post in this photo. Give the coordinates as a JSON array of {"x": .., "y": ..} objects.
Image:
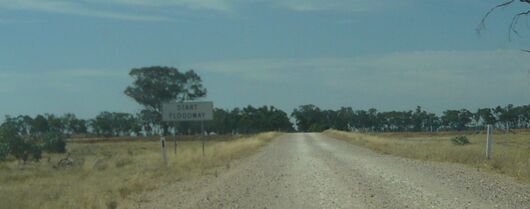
[
  {"x": 203, "y": 136},
  {"x": 175, "y": 137},
  {"x": 489, "y": 142},
  {"x": 163, "y": 146}
]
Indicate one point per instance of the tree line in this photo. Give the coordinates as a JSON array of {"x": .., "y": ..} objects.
[
  {"x": 112, "y": 124},
  {"x": 311, "y": 118},
  {"x": 26, "y": 137},
  {"x": 308, "y": 118}
]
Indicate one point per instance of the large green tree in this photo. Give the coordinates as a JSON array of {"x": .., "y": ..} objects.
[{"x": 153, "y": 86}]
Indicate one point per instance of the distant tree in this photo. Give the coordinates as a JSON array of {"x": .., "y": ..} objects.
[
  {"x": 116, "y": 124},
  {"x": 465, "y": 117},
  {"x": 102, "y": 124},
  {"x": 361, "y": 120},
  {"x": 4, "y": 142},
  {"x": 486, "y": 116},
  {"x": 502, "y": 116},
  {"x": 247, "y": 122},
  {"x": 419, "y": 119},
  {"x": 250, "y": 120},
  {"x": 4, "y": 149},
  {"x": 220, "y": 123},
  {"x": 40, "y": 125},
  {"x": 148, "y": 120},
  {"x": 55, "y": 124},
  {"x": 329, "y": 120},
  {"x": 80, "y": 126},
  {"x": 26, "y": 123},
  {"x": 12, "y": 143},
  {"x": 525, "y": 115},
  {"x": 344, "y": 118},
  {"x": 433, "y": 122},
  {"x": 136, "y": 126},
  {"x": 388, "y": 120},
  {"x": 234, "y": 120},
  {"x": 457, "y": 119},
  {"x": 54, "y": 142},
  {"x": 510, "y": 116},
  {"x": 373, "y": 122},
  {"x": 69, "y": 121},
  {"x": 308, "y": 118},
  {"x": 279, "y": 120},
  {"x": 13, "y": 123}
]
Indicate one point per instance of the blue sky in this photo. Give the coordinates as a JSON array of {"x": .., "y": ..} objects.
[{"x": 61, "y": 56}]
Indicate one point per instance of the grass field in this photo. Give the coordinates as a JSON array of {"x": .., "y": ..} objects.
[
  {"x": 110, "y": 174},
  {"x": 511, "y": 151}
]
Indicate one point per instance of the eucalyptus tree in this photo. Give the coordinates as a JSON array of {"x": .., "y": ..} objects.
[
  {"x": 344, "y": 118},
  {"x": 308, "y": 118},
  {"x": 153, "y": 86},
  {"x": 456, "y": 119},
  {"x": 40, "y": 125}
]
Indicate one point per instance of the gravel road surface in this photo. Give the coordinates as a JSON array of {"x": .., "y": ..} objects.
[{"x": 315, "y": 171}]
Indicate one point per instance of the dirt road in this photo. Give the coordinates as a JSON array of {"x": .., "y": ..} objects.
[{"x": 315, "y": 171}]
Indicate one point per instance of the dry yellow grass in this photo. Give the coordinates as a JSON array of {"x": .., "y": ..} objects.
[
  {"x": 110, "y": 175},
  {"x": 511, "y": 152}
]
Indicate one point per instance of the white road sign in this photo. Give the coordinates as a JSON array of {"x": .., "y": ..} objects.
[{"x": 187, "y": 111}]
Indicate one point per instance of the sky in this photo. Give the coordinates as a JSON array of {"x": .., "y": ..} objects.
[{"x": 59, "y": 56}]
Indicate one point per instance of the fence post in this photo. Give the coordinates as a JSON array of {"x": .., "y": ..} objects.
[
  {"x": 164, "y": 154},
  {"x": 175, "y": 137},
  {"x": 489, "y": 142},
  {"x": 203, "y": 138}
]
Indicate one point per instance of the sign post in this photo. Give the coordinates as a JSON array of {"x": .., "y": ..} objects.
[
  {"x": 175, "y": 137},
  {"x": 188, "y": 111},
  {"x": 164, "y": 154},
  {"x": 203, "y": 137}
]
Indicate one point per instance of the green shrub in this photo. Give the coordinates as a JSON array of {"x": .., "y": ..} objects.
[
  {"x": 6, "y": 133},
  {"x": 316, "y": 128},
  {"x": 460, "y": 140},
  {"x": 35, "y": 151},
  {"x": 24, "y": 149},
  {"x": 21, "y": 148},
  {"x": 54, "y": 142},
  {"x": 4, "y": 151}
]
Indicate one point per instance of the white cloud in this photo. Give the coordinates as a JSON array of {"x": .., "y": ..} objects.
[
  {"x": 218, "y": 5},
  {"x": 296, "y": 5},
  {"x": 335, "y": 5},
  {"x": 85, "y": 73},
  {"x": 449, "y": 78},
  {"x": 12, "y": 21},
  {"x": 135, "y": 10},
  {"x": 146, "y": 10},
  {"x": 74, "y": 8},
  {"x": 57, "y": 80},
  {"x": 81, "y": 91},
  {"x": 444, "y": 62}
]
